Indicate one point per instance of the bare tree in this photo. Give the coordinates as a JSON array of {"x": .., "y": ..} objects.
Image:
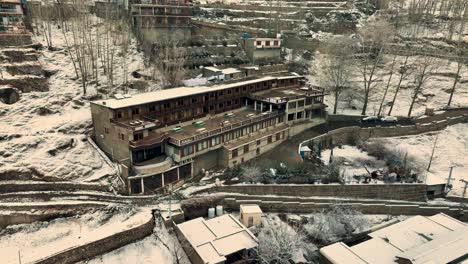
[
  {"x": 251, "y": 174},
  {"x": 461, "y": 61},
  {"x": 388, "y": 85},
  {"x": 403, "y": 73},
  {"x": 169, "y": 58},
  {"x": 374, "y": 36},
  {"x": 423, "y": 69},
  {"x": 277, "y": 244},
  {"x": 334, "y": 70}
]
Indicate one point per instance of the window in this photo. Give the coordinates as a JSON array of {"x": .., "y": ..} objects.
[
  {"x": 290, "y": 117},
  {"x": 106, "y": 130},
  {"x": 138, "y": 136},
  {"x": 187, "y": 150},
  {"x": 242, "y": 160},
  {"x": 275, "y": 43},
  {"x": 259, "y": 142},
  {"x": 234, "y": 153},
  {"x": 194, "y": 100},
  {"x": 267, "y": 43},
  {"x": 119, "y": 114},
  {"x": 278, "y": 136},
  {"x": 259, "y": 43},
  {"x": 270, "y": 139},
  {"x": 152, "y": 108},
  {"x": 121, "y": 136},
  {"x": 292, "y": 105},
  {"x": 299, "y": 115},
  {"x": 300, "y": 103},
  {"x": 135, "y": 111},
  {"x": 246, "y": 148}
]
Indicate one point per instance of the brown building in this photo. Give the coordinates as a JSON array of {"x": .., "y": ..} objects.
[
  {"x": 161, "y": 13},
  {"x": 11, "y": 16},
  {"x": 168, "y": 135}
]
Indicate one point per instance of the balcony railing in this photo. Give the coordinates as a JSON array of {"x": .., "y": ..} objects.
[
  {"x": 151, "y": 139},
  {"x": 224, "y": 129},
  {"x": 153, "y": 168}
]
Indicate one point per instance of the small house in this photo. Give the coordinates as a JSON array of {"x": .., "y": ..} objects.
[{"x": 250, "y": 215}]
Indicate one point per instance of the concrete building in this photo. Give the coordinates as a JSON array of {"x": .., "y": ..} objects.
[
  {"x": 165, "y": 136},
  {"x": 419, "y": 239},
  {"x": 223, "y": 74},
  {"x": 250, "y": 215},
  {"x": 263, "y": 50},
  {"x": 218, "y": 240},
  {"x": 156, "y": 19},
  {"x": 11, "y": 16}
]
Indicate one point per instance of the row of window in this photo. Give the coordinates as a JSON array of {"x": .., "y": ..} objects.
[
  {"x": 214, "y": 141},
  {"x": 246, "y": 148}
]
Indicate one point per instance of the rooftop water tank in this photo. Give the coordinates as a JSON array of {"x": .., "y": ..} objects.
[
  {"x": 211, "y": 212},
  {"x": 219, "y": 210}
]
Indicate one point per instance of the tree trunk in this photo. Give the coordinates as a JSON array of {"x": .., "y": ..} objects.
[
  {"x": 388, "y": 85},
  {"x": 455, "y": 81},
  {"x": 335, "y": 107}
]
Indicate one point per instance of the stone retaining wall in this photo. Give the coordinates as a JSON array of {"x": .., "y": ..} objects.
[
  {"x": 365, "y": 208},
  {"x": 347, "y": 135},
  {"x": 101, "y": 246},
  {"x": 12, "y": 186},
  {"x": 408, "y": 192}
]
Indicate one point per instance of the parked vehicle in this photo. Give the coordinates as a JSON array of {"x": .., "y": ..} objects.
[
  {"x": 389, "y": 119},
  {"x": 370, "y": 119}
]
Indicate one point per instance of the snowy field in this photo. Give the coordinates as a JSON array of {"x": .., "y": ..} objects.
[
  {"x": 43, "y": 133},
  {"x": 451, "y": 149},
  {"x": 41, "y": 239}
]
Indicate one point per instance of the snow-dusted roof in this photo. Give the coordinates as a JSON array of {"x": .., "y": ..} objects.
[
  {"x": 161, "y": 95},
  {"x": 230, "y": 70},
  {"x": 250, "y": 209},
  {"x": 418, "y": 238},
  {"x": 446, "y": 248},
  {"x": 218, "y": 237}
]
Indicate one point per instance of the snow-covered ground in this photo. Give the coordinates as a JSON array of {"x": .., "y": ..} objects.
[
  {"x": 451, "y": 149},
  {"x": 354, "y": 160},
  {"x": 41, "y": 239},
  {"x": 44, "y": 133},
  {"x": 435, "y": 92}
]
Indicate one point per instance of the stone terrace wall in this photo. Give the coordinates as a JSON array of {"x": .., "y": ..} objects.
[
  {"x": 409, "y": 192},
  {"x": 346, "y": 135},
  {"x": 101, "y": 246},
  {"x": 13, "y": 186},
  {"x": 366, "y": 208}
]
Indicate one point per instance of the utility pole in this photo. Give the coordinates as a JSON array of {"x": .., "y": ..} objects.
[
  {"x": 448, "y": 187},
  {"x": 462, "y": 204},
  {"x": 170, "y": 201}
]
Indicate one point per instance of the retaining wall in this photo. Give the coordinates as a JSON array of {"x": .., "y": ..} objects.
[
  {"x": 101, "y": 246},
  {"x": 347, "y": 135},
  {"x": 365, "y": 208},
  {"x": 407, "y": 192},
  {"x": 13, "y": 186}
]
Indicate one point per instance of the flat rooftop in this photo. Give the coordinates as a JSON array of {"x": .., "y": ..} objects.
[
  {"x": 167, "y": 94},
  {"x": 419, "y": 239},
  {"x": 217, "y": 122},
  {"x": 215, "y": 238},
  {"x": 282, "y": 95}
]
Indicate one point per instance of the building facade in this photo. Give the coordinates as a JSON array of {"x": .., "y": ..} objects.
[
  {"x": 157, "y": 19},
  {"x": 263, "y": 50},
  {"x": 165, "y": 136},
  {"x": 11, "y": 16}
]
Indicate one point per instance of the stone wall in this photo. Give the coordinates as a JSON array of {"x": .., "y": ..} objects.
[
  {"x": 15, "y": 40},
  {"x": 347, "y": 135},
  {"x": 101, "y": 246},
  {"x": 6, "y": 187},
  {"x": 408, "y": 192},
  {"x": 366, "y": 208}
]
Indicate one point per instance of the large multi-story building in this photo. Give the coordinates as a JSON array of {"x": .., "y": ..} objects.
[{"x": 168, "y": 135}]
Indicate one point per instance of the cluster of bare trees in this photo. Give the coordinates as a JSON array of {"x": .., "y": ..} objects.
[
  {"x": 91, "y": 42},
  {"x": 362, "y": 63}
]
